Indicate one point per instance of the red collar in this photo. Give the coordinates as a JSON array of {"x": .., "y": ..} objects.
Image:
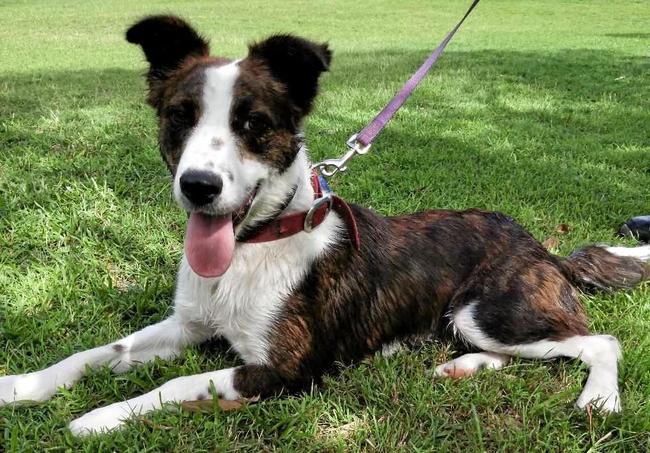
[{"x": 294, "y": 223}]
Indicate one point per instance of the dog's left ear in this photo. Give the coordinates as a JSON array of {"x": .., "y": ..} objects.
[{"x": 295, "y": 62}]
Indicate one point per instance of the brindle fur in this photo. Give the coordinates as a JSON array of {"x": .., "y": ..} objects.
[{"x": 413, "y": 271}]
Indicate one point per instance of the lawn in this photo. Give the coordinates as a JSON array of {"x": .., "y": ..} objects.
[{"x": 538, "y": 109}]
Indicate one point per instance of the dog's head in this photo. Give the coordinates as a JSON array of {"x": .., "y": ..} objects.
[{"x": 226, "y": 127}]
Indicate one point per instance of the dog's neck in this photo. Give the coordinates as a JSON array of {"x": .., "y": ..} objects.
[
  {"x": 301, "y": 176},
  {"x": 288, "y": 192}
]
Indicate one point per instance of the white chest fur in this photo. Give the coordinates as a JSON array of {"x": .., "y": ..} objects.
[{"x": 244, "y": 303}]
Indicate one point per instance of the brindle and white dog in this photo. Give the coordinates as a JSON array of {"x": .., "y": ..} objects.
[{"x": 292, "y": 307}]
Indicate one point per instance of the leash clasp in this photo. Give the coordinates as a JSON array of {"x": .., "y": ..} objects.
[
  {"x": 308, "y": 225},
  {"x": 330, "y": 167}
]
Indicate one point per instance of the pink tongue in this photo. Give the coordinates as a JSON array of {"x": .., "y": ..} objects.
[{"x": 209, "y": 244}]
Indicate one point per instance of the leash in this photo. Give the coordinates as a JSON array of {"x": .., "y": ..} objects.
[
  {"x": 361, "y": 142},
  {"x": 324, "y": 199}
]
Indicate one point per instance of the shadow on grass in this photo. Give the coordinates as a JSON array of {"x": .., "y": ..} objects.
[
  {"x": 561, "y": 132},
  {"x": 101, "y": 115},
  {"x": 629, "y": 35}
]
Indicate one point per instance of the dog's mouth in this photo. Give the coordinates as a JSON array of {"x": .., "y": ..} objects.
[
  {"x": 210, "y": 239},
  {"x": 239, "y": 215}
]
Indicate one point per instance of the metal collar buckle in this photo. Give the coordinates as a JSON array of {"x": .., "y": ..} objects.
[
  {"x": 308, "y": 225},
  {"x": 330, "y": 167}
]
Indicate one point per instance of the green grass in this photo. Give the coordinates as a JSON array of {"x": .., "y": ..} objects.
[{"x": 538, "y": 109}]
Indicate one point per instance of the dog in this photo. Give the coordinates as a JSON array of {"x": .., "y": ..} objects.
[{"x": 296, "y": 279}]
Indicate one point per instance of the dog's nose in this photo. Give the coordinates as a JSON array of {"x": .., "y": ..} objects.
[{"x": 201, "y": 187}]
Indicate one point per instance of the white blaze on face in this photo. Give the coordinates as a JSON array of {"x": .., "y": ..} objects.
[{"x": 212, "y": 146}]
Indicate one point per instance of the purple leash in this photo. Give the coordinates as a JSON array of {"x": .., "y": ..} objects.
[{"x": 360, "y": 143}]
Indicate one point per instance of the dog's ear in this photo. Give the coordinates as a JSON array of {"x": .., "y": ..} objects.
[
  {"x": 295, "y": 62},
  {"x": 166, "y": 41}
]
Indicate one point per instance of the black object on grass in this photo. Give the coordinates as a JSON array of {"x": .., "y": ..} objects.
[{"x": 637, "y": 228}]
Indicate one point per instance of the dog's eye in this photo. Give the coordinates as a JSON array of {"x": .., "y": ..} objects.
[
  {"x": 257, "y": 124},
  {"x": 183, "y": 114}
]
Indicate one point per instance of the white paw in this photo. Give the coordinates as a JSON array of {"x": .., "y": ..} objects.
[
  {"x": 604, "y": 399},
  {"x": 443, "y": 370},
  {"x": 25, "y": 388},
  {"x": 454, "y": 370},
  {"x": 469, "y": 364},
  {"x": 100, "y": 420},
  {"x": 7, "y": 389}
]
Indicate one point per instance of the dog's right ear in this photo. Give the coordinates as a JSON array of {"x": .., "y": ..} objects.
[{"x": 166, "y": 41}]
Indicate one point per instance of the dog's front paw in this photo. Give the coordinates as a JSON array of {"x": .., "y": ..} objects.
[
  {"x": 100, "y": 420},
  {"x": 8, "y": 389},
  {"x": 22, "y": 388},
  {"x": 606, "y": 400}
]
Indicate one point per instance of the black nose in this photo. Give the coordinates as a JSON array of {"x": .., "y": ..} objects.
[{"x": 201, "y": 187}]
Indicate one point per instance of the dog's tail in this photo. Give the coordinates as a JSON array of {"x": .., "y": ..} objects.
[{"x": 605, "y": 268}]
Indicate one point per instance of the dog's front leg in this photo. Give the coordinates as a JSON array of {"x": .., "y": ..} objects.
[
  {"x": 229, "y": 384},
  {"x": 165, "y": 340}
]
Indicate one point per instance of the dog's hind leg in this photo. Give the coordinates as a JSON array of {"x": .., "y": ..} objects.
[
  {"x": 533, "y": 311},
  {"x": 165, "y": 340},
  {"x": 599, "y": 352}
]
